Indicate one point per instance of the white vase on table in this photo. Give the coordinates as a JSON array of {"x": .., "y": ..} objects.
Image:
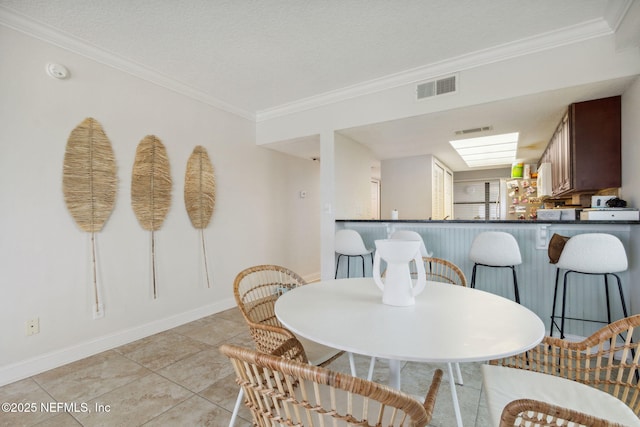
[{"x": 398, "y": 289}]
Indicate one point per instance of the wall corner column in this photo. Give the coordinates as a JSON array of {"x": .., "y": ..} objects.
[{"x": 327, "y": 205}]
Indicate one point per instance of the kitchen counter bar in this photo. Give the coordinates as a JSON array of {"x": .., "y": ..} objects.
[
  {"x": 493, "y": 221},
  {"x": 451, "y": 240}
]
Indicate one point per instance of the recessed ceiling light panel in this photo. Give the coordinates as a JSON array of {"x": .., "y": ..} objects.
[{"x": 495, "y": 150}]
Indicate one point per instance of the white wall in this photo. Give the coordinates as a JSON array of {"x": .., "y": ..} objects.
[
  {"x": 482, "y": 174},
  {"x": 353, "y": 173},
  {"x": 45, "y": 258},
  {"x": 630, "y": 190},
  {"x": 480, "y": 82},
  {"x": 406, "y": 186}
]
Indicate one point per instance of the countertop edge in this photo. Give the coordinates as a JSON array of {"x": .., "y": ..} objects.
[{"x": 460, "y": 221}]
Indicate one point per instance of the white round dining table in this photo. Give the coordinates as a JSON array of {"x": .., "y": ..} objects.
[{"x": 447, "y": 324}]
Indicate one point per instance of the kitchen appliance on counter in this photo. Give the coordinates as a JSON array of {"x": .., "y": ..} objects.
[
  {"x": 610, "y": 214},
  {"x": 600, "y": 201},
  {"x": 609, "y": 208},
  {"x": 564, "y": 214}
]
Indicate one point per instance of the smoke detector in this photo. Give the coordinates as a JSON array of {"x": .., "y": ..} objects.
[{"x": 57, "y": 71}]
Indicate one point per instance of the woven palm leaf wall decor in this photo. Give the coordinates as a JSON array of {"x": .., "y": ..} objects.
[
  {"x": 151, "y": 190},
  {"x": 89, "y": 184},
  {"x": 200, "y": 194}
]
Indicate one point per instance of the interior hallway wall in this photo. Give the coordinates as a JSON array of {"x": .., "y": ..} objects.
[{"x": 631, "y": 179}]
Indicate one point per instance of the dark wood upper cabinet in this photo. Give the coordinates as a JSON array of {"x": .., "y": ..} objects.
[{"x": 585, "y": 150}]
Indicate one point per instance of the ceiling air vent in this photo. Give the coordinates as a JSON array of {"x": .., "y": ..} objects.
[
  {"x": 473, "y": 130},
  {"x": 437, "y": 87}
]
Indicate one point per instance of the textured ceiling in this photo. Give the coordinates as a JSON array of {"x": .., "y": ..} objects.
[{"x": 255, "y": 55}]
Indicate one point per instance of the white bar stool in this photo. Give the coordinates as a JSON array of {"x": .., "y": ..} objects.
[
  {"x": 349, "y": 243},
  {"x": 412, "y": 235},
  {"x": 590, "y": 253},
  {"x": 496, "y": 249}
]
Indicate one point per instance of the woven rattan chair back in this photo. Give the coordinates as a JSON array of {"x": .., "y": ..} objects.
[
  {"x": 525, "y": 412},
  {"x": 283, "y": 392},
  {"x": 607, "y": 360},
  {"x": 256, "y": 290},
  {"x": 441, "y": 270}
]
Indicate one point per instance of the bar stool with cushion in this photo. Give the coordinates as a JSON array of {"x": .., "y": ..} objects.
[
  {"x": 349, "y": 243},
  {"x": 496, "y": 249},
  {"x": 595, "y": 254}
]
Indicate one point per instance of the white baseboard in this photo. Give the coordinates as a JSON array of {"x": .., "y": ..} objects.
[{"x": 27, "y": 368}]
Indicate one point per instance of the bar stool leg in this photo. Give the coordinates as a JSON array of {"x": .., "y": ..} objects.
[
  {"x": 624, "y": 305},
  {"x": 515, "y": 283},
  {"x": 553, "y": 309},
  {"x": 473, "y": 276},
  {"x": 564, "y": 303},
  {"x": 337, "y": 265},
  {"x": 606, "y": 291}
]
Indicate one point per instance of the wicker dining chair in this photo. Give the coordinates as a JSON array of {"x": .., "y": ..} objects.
[
  {"x": 256, "y": 290},
  {"x": 607, "y": 360},
  {"x": 284, "y": 392},
  {"x": 441, "y": 270},
  {"x": 531, "y": 412}
]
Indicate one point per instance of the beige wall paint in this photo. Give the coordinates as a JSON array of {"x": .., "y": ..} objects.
[
  {"x": 45, "y": 258},
  {"x": 353, "y": 163},
  {"x": 406, "y": 186}
]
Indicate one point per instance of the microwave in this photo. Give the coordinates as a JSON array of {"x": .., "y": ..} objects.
[{"x": 544, "y": 180}]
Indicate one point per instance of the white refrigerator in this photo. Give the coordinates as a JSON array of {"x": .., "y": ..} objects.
[
  {"x": 519, "y": 199},
  {"x": 496, "y": 199}
]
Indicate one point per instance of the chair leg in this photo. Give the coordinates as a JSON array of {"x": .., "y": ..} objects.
[
  {"x": 553, "y": 309},
  {"x": 362, "y": 256},
  {"x": 606, "y": 292},
  {"x": 348, "y": 266},
  {"x": 515, "y": 284},
  {"x": 236, "y": 408}
]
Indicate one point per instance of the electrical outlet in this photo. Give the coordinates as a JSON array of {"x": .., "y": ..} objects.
[{"x": 33, "y": 326}]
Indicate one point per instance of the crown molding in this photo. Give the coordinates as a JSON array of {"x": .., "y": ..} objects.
[
  {"x": 566, "y": 36},
  {"x": 46, "y": 33},
  {"x": 614, "y": 14}
]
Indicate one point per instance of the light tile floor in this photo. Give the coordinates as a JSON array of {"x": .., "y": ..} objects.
[{"x": 178, "y": 378}]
